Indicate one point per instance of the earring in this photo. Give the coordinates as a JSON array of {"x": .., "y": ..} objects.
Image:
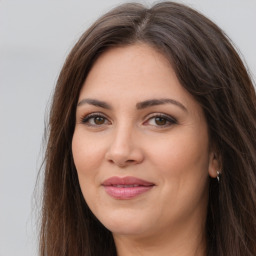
[{"x": 218, "y": 176}]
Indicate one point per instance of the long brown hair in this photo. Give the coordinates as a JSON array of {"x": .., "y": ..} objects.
[{"x": 209, "y": 68}]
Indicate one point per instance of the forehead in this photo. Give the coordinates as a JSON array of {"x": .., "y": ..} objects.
[
  {"x": 131, "y": 74},
  {"x": 139, "y": 65}
]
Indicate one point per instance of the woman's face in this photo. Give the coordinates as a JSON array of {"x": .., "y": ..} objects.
[{"x": 141, "y": 145}]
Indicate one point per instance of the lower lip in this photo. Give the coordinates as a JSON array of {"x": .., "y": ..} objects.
[{"x": 126, "y": 192}]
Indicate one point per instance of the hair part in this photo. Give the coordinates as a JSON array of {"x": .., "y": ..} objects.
[{"x": 209, "y": 68}]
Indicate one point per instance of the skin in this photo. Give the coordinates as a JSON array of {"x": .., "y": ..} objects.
[{"x": 169, "y": 219}]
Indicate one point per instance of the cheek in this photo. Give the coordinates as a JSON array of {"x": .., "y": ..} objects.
[
  {"x": 182, "y": 166},
  {"x": 182, "y": 160},
  {"x": 87, "y": 154},
  {"x": 86, "y": 151},
  {"x": 180, "y": 151},
  {"x": 87, "y": 158}
]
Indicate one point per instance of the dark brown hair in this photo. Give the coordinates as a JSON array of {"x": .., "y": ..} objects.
[{"x": 209, "y": 68}]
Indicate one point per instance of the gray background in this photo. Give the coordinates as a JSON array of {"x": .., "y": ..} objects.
[{"x": 35, "y": 37}]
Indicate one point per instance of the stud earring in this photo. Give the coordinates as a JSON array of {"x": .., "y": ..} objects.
[{"x": 218, "y": 176}]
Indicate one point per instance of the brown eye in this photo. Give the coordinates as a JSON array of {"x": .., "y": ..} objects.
[
  {"x": 160, "y": 121},
  {"x": 99, "y": 120},
  {"x": 95, "y": 120}
]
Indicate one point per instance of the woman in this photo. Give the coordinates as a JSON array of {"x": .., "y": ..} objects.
[{"x": 152, "y": 144}]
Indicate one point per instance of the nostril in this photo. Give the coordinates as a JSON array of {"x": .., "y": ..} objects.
[
  {"x": 121, "y": 163},
  {"x": 124, "y": 158}
]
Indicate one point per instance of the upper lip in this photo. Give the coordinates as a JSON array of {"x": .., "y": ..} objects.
[{"x": 128, "y": 180}]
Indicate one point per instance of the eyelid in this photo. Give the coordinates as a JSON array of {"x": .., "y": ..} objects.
[
  {"x": 84, "y": 119},
  {"x": 168, "y": 117}
]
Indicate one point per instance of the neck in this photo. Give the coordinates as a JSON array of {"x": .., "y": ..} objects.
[{"x": 187, "y": 241}]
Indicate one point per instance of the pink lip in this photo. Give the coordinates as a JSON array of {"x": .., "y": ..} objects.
[{"x": 126, "y": 187}]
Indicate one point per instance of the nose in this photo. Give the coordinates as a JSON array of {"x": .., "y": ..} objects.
[{"x": 124, "y": 149}]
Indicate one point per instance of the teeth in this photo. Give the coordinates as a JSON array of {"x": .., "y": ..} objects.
[{"x": 126, "y": 186}]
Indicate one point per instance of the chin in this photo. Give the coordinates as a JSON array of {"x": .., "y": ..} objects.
[{"x": 126, "y": 224}]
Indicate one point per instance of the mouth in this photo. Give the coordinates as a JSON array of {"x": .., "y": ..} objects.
[{"x": 124, "y": 188}]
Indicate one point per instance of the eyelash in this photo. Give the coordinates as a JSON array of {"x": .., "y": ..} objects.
[
  {"x": 86, "y": 119},
  {"x": 169, "y": 120}
]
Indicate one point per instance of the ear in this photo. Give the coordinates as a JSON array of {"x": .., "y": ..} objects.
[{"x": 214, "y": 165}]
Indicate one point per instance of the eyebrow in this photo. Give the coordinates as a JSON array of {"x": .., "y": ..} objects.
[
  {"x": 155, "y": 102},
  {"x": 94, "y": 102},
  {"x": 139, "y": 105}
]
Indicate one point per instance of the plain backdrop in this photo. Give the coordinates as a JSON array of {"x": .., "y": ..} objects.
[{"x": 35, "y": 37}]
